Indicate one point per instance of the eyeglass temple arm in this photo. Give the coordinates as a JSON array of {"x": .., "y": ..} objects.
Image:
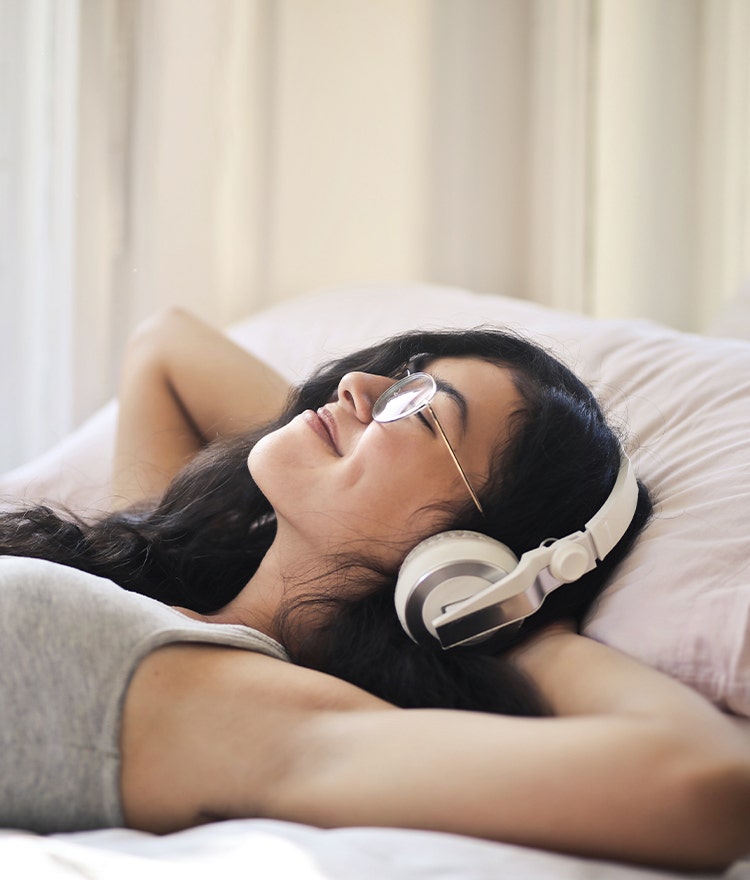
[{"x": 457, "y": 462}]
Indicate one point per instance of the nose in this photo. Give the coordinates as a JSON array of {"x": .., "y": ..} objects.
[{"x": 360, "y": 391}]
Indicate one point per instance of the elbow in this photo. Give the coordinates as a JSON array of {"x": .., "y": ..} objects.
[
  {"x": 152, "y": 330},
  {"x": 717, "y": 794},
  {"x": 151, "y": 345},
  {"x": 691, "y": 807}
]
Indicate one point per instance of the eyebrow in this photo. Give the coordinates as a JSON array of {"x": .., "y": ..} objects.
[{"x": 457, "y": 398}]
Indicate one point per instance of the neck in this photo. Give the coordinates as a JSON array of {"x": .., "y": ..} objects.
[
  {"x": 257, "y": 602},
  {"x": 293, "y": 569},
  {"x": 284, "y": 571}
]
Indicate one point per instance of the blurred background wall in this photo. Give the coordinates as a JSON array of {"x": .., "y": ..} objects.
[{"x": 227, "y": 154}]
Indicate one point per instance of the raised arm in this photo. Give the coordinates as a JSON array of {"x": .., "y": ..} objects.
[
  {"x": 183, "y": 383},
  {"x": 638, "y": 768}
]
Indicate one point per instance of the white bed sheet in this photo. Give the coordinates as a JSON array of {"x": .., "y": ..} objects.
[{"x": 256, "y": 848}]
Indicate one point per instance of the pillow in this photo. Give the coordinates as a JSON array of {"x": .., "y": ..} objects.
[{"x": 681, "y": 600}]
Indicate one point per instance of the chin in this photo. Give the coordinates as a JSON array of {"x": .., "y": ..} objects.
[
  {"x": 273, "y": 470},
  {"x": 255, "y": 463}
]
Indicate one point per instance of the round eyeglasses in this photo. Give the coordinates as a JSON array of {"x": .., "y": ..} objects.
[{"x": 409, "y": 396}]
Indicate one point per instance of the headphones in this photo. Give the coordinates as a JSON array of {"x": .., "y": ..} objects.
[{"x": 462, "y": 587}]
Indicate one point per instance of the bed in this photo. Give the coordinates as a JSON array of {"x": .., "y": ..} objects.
[{"x": 680, "y": 602}]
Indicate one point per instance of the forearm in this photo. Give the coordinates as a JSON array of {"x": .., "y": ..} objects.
[
  {"x": 183, "y": 384},
  {"x": 578, "y": 676},
  {"x": 154, "y": 437},
  {"x": 640, "y": 768},
  {"x": 222, "y": 388},
  {"x": 625, "y": 788}
]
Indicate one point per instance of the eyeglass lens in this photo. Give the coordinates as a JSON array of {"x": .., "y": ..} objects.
[{"x": 407, "y": 396}]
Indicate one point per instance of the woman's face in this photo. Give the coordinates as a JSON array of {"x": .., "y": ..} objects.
[{"x": 347, "y": 483}]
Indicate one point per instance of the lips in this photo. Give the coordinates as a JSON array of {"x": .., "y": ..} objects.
[{"x": 322, "y": 422}]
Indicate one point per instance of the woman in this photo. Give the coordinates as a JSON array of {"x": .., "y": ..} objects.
[{"x": 307, "y": 553}]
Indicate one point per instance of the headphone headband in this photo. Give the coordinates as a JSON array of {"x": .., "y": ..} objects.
[{"x": 611, "y": 521}]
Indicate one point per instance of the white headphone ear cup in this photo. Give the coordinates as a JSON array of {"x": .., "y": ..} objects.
[{"x": 442, "y": 570}]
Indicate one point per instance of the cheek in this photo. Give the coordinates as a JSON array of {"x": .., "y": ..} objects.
[
  {"x": 383, "y": 491},
  {"x": 407, "y": 492}
]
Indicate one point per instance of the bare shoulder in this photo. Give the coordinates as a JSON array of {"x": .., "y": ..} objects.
[{"x": 199, "y": 720}]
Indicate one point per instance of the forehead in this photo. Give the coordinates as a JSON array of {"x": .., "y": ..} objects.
[
  {"x": 490, "y": 393},
  {"x": 473, "y": 376}
]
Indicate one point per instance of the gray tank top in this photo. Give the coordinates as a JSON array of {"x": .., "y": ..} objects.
[{"x": 69, "y": 645}]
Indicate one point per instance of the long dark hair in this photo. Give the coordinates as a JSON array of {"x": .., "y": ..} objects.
[{"x": 199, "y": 544}]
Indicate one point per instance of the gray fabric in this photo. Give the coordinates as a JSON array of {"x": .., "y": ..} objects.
[{"x": 69, "y": 644}]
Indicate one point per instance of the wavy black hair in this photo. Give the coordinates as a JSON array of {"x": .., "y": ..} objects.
[{"x": 199, "y": 544}]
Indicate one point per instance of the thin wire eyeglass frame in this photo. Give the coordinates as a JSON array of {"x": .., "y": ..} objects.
[{"x": 383, "y": 413}]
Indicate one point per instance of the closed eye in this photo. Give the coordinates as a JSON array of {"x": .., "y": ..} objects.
[{"x": 420, "y": 415}]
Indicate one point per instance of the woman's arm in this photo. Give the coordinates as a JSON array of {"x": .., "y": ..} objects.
[
  {"x": 642, "y": 770},
  {"x": 183, "y": 384},
  {"x": 638, "y": 768}
]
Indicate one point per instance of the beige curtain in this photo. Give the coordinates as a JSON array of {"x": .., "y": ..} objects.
[
  {"x": 38, "y": 89},
  {"x": 586, "y": 154}
]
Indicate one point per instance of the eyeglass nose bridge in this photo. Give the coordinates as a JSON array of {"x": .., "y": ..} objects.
[{"x": 387, "y": 409}]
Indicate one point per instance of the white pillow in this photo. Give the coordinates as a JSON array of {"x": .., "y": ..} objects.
[{"x": 681, "y": 601}]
